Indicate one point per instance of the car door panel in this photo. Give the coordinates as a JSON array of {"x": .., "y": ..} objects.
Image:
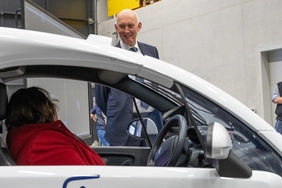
[
  {"x": 128, "y": 177},
  {"x": 124, "y": 155}
]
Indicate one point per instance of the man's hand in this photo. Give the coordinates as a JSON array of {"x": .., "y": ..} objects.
[
  {"x": 278, "y": 100},
  {"x": 94, "y": 117}
]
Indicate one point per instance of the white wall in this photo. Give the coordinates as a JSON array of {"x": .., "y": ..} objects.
[
  {"x": 102, "y": 11},
  {"x": 73, "y": 107},
  {"x": 218, "y": 40}
]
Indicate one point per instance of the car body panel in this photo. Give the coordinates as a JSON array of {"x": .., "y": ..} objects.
[{"x": 127, "y": 177}]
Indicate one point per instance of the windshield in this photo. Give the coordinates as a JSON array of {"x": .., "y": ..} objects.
[{"x": 247, "y": 145}]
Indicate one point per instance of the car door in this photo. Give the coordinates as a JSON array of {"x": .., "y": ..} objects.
[{"x": 127, "y": 177}]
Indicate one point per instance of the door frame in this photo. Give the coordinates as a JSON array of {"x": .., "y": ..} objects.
[{"x": 266, "y": 93}]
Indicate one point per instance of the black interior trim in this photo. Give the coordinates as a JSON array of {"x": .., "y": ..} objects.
[
  {"x": 116, "y": 80},
  {"x": 233, "y": 167},
  {"x": 124, "y": 156}
]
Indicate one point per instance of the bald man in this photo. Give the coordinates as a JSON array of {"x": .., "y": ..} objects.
[{"x": 117, "y": 105}]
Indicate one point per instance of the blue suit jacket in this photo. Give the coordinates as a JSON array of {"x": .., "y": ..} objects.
[{"x": 118, "y": 107}]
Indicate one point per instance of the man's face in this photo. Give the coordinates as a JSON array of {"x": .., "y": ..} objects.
[{"x": 127, "y": 27}]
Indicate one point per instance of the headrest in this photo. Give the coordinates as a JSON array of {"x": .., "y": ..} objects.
[{"x": 3, "y": 101}]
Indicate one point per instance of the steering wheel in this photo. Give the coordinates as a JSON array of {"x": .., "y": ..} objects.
[{"x": 166, "y": 153}]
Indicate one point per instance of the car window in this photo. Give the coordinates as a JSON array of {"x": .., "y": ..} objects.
[
  {"x": 73, "y": 98},
  {"x": 75, "y": 102},
  {"x": 247, "y": 145}
]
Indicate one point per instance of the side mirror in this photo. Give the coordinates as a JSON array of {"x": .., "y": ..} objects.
[
  {"x": 218, "y": 141},
  {"x": 135, "y": 128},
  {"x": 219, "y": 147}
]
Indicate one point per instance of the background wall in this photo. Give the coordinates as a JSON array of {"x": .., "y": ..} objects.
[{"x": 218, "y": 40}]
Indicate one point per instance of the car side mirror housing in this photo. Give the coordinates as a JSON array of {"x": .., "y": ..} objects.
[
  {"x": 219, "y": 147},
  {"x": 218, "y": 141}
]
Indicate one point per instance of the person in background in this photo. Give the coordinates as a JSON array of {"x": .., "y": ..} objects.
[
  {"x": 277, "y": 99},
  {"x": 116, "y": 105},
  {"x": 36, "y": 136},
  {"x": 101, "y": 120}
]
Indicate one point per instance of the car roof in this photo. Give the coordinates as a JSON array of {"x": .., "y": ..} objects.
[{"x": 29, "y": 53}]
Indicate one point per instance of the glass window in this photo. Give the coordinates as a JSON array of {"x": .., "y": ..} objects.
[{"x": 247, "y": 145}]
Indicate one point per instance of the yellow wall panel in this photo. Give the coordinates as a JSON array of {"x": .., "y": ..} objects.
[{"x": 115, "y": 6}]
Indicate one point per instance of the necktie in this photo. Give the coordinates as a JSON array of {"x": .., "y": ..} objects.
[{"x": 133, "y": 49}]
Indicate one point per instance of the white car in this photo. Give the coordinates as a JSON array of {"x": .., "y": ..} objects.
[{"x": 209, "y": 139}]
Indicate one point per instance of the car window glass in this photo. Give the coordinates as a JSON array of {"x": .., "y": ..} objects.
[
  {"x": 76, "y": 99},
  {"x": 247, "y": 145},
  {"x": 73, "y": 101},
  {"x": 145, "y": 110}
]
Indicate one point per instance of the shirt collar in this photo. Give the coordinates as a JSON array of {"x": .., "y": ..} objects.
[{"x": 126, "y": 47}]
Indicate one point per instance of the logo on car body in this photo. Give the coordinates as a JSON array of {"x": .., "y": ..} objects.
[{"x": 78, "y": 178}]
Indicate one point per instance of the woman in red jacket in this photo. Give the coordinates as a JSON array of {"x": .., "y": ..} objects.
[{"x": 36, "y": 137}]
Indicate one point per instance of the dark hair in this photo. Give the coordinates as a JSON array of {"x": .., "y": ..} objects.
[{"x": 29, "y": 106}]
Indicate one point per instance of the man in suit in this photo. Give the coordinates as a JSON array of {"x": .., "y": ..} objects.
[
  {"x": 277, "y": 99},
  {"x": 117, "y": 105}
]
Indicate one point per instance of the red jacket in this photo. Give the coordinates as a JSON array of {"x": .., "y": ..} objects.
[{"x": 49, "y": 144}]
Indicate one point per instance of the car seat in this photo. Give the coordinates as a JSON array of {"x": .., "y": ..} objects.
[{"x": 5, "y": 157}]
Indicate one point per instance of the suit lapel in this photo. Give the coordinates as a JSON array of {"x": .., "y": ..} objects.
[
  {"x": 118, "y": 45},
  {"x": 142, "y": 48}
]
